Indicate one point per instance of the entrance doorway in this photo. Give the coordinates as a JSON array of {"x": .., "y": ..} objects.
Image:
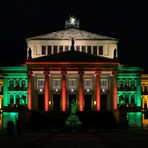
[
  {"x": 88, "y": 98},
  {"x": 103, "y": 102},
  {"x": 56, "y": 102},
  {"x": 41, "y": 102},
  {"x": 70, "y": 98}
]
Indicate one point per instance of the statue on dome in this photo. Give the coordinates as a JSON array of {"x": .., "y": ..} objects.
[{"x": 72, "y": 22}]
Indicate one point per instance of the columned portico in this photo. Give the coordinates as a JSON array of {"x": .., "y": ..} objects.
[
  {"x": 29, "y": 89},
  {"x": 63, "y": 73},
  {"x": 81, "y": 91},
  {"x": 47, "y": 94},
  {"x": 98, "y": 90}
]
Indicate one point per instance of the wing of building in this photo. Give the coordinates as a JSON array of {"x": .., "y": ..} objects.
[{"x": 73, "y": 64}]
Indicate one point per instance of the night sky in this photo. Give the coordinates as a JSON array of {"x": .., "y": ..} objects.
[{"x": 124, "y": 20}]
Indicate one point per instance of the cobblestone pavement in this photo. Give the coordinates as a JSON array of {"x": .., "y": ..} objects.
[{"x": 103, "y": 138}]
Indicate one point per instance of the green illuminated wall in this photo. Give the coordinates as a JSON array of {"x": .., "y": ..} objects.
[
  {"x": 129, "y": 86},
  {"x": 9, "y": 116},
  {"x": 134, "y": 119},
  {"x": 15, "y": 84}
]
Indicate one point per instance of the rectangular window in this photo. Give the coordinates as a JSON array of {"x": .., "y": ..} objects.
[
  {"x": 100, "y": 50},
  {"x": 17, "y": 85},
  {"x": 126, "y": 99},
  {"x": 55, "y": 49},
  {"x": 133, "y": 99},
  {"x": 56, "y": 84},
  {"x": 11, "y": 99},
  {"x": 88, "y": 84},
  {"x": 43, "y": 50},
  {"x": 95, "y": 50},
  {"x": 89, "y": 49},
  {"x": 24, "y": 85},
  {"x": 83, "y": 48},
  {"x": 49, "y": 50},
  {"x": 11, "y": 85},
  {"x": 72, "y": 84},
  {"x": 66, "y": 48},
  {"x": 77, "y": 48},
  {"x": 40, "y": 85},
  {"x": 104, "y": 85},
  {"x": 60, "y": 49},
  {"x": 17, "y": 99}
]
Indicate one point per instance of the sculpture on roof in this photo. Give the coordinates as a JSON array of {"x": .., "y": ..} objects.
[
  {"x": 115, "y": 54},
  {"x": 72, "y": 22},
  {"x": 29, "y": 54}
]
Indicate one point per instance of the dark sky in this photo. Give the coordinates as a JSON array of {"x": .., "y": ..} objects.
[{"x": 124, "y": 20}]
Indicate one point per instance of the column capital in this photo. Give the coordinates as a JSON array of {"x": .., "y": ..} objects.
[
  {"x": 46, "y": 72},
  {"x": 115, "y": 73},
  {"x": 98, "y": 72},
  {"x": 81, "y": 72},
  {"x": 63, "y": 72},
  {"x": 30, "y": 73}
]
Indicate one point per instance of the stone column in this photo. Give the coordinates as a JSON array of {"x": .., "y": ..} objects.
[
  {"x": 29, "y": 89},
  {"x": 81, "y": 91},
  {"x": 115, "y": 90},
  {"x": 47, "y": 95},
  {"x": 98, "y": 90},
  {"x": 63, "y": 73}
]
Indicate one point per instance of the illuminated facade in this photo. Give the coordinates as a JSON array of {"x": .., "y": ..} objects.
[
  {"x": 74, "y": 64},
  {"x": 15, "y": 84},
  {"x": 144, "y": 88},
  {"x": 1, "y": 99}
]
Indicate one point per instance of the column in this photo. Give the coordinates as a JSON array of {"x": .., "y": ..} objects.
[
  {"x": 46, "y": 73},
  {"x": 81, "y": 91},
  {"x": 98, "y": 73},
  {"x": 29, "y": 89},
  {"x": 63, "y": 73},
  {"x": 114, "y": 90}
]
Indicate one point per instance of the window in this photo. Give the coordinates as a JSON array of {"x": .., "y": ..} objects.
[
  {"x": 43, "y": 50},
  {"x": 23, "y": 84},
  {"x": 11, "y": 99},
  {"x": 87, "y": 84},
  {"x": 100, "y": 50},
  {"x": 126, "y": 99},
  {"x": 23, "y": 99},
  {"x": 104, "y": 85},
  {"x": 145, "y": 89},
  {"x": 49, "y": 50},
  {"x": 72, "y": 84},
  {"x": 55, "y": 49},
  {"x": 66, "y": 48},
  {"x": 120, "y": 85},
  {"x": 95, "y": 50},
  {"x": 11, "y": 85},
  {"x": 17, "y": 86},
  {"x": 89, "y": 49},
  {"x": 40, "y": 85},
  {"x": 83, "y": 48},
  {"x": 60, "y": 49},
  {"x": 17, "y": 99},
  {"x": 145, "y": 104},
  {"x": 133, "y": 99},
  {"x": 56, "y": 84},
  {"x": 77, "y": 48}
]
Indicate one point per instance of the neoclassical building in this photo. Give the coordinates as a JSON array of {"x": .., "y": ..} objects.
[{"x": 73, "y": 64}]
